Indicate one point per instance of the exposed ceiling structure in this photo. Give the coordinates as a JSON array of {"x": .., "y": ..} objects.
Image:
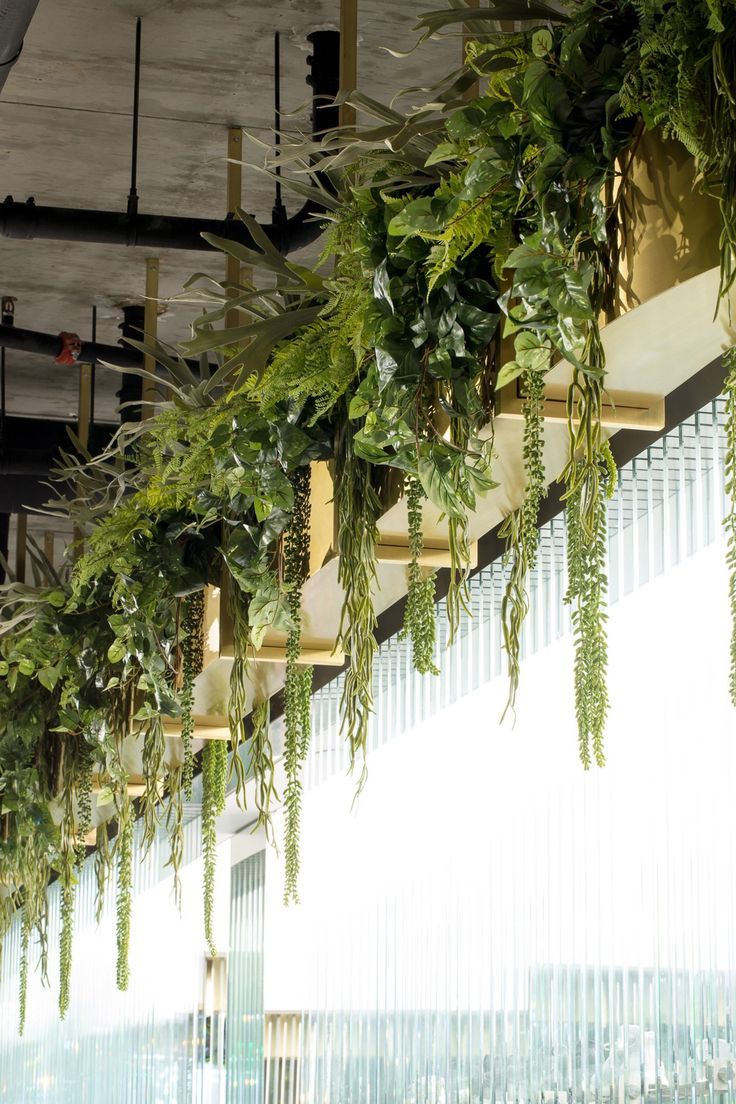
[{"x": 66, "y": 117}]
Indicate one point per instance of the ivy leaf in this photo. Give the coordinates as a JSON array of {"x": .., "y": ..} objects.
[
  {"x": 569, "y": 296},
  {"x": 381, "y": 285},
  {"x": 418, "y": 217},
  {"x": 445, "y": 151},
  {"x": 508, "y": 373},
  {"x": 116, "y": 651},
  {"x": 434, "y": 469},
  {"x": 48, "y": 677}
]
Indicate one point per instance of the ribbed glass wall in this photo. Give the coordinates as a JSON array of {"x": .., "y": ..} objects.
[
  {"x": 245, "y": 1036},
  {"x": 488, "y": 923},
  {"x": 154, "y": 1043},
  {"x": 491, "y": 923}
]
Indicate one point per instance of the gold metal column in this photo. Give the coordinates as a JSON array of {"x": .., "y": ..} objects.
[
  {"x": 348, "y": 56},
  {"x": 234, "y": 199},
  {"x": 150, "y": 326},
  {"x": 85, "y": 404}
]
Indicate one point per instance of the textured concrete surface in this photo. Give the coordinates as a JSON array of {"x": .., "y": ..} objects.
[{"x": 65, "y": 127}]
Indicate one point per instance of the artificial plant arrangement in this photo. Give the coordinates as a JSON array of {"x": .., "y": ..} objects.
[{"x": 485, "y": 220}]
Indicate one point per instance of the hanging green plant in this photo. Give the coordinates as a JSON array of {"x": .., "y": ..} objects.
[
  {"x": 520, "y": 529},
  {"x": 358, "y": 507},
  {"x": 25, "y": 938},
  {"x": 192, "y": 663},
  {"x": 124, "y": 863},
  {"x": 214, "y": 786},
  {"x": 420, "y": 625},
  {"x": 298, "y": 688}
]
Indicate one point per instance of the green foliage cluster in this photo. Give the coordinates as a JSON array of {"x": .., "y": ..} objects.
[{"x": 456, "y": 230}]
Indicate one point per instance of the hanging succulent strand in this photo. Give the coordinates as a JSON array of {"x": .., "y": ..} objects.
[
  {"x": 358, "y": 508},
  {"x": 214, "y": 785},
  {"x": 66, "y": 938},
  {"x": 298, "y": 690},
  {"x": 590, "y": 479},
  {"x": 124, "y": 859},
  {"x": 520, "y": 530},
  {"x": 420, "y": 626},
  {"x": 729, "y": 522},
  {"x": 192, "y": 664},
  {"x": 76, "y": 822},
  {"x": 25, "y": 939}
]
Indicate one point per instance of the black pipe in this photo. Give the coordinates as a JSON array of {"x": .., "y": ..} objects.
[
  {"x": 28, "y": 220},
  {"x": 15, "y": 17},
  {"x": 30, "y": 341},
  {"x": 49, "y": 345}
]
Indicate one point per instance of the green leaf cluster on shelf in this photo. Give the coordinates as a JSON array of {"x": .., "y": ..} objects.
[{"x": 471, "y": 245}]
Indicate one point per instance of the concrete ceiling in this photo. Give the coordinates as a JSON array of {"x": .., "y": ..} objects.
[{"x": 65, "y": 127}]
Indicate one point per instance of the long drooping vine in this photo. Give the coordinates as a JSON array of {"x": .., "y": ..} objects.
[
  {"x": 25, "y": 939},
  {"x": 192, "y": 663},
  {"x": 420, "y": 625},
  {"x": 298, "y": 690},
  {"x": 358, "y": 507},
  {"x": 124, "y": 865},
  {"x": 520, "y": 530},
  {"x": 214, "y": 786}
]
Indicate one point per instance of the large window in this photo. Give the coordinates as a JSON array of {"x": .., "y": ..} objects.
[{"x": 487, "y": 922}]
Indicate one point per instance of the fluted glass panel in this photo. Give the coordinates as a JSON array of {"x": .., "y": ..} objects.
[
  {"x": 245, "y": 1034},
  {"x": 491, "y": 922},
  {"x": 157, "y": 1042}
]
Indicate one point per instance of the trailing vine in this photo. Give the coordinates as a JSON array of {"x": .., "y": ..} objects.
[
  {"x": 358, "y": 507},
  {"x": 192, "y": 664},
  {"x": 298, "y": 689},
  {"x": 590, "y": 479},
  {"x": 25, "y": 938},
  {"x": 419, "y": 615},
  {"x": 520, "y": 529},
  {"x": 729, "y": 522},
  {"x": 124, "y": 863},
  {"x": 263, "y": 767},
  {"x": 214, "y": 785},
  {"x": 175, "y": 826}
]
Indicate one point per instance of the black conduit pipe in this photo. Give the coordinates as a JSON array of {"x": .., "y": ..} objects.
[
  {"x": 29, "y": 220},
  {"x": 43, "y": 344},
  {"x": 31, "y": 341},
  {"x": 15, "y": 17}
]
